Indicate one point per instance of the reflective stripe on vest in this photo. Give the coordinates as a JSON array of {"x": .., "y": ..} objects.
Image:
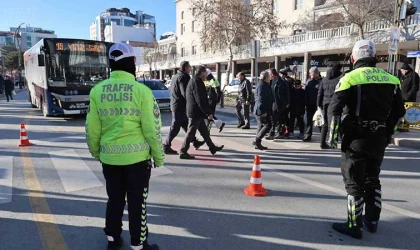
[
  {"x": 122, "y": 149},
  {"x": 366, "y": 75}
]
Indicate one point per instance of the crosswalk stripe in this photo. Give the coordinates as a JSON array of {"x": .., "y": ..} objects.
[
  {"x": 6, "y": 174},
  {"x": 73, "y": 171}
]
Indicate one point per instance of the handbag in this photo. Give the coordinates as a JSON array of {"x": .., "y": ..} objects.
[{"x": 13, "y": 92}]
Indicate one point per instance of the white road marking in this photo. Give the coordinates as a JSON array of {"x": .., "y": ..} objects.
[
  {"x": 6, "y": 180},
  {"x": 297, "y": 178},
  {"x": 160, "y": 171},
  {"x": 74, "y": 173}
]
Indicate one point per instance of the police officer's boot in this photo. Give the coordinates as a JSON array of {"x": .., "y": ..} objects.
[
  {"x": 145, "y": 246},
  {"x": 354, "y": 225},
  {"x": 373, "y": 199}
]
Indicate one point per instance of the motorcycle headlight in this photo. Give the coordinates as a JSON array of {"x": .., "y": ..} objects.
[
  {"x": 67, "y": 92},
  {"x": 75, "y": 92}
]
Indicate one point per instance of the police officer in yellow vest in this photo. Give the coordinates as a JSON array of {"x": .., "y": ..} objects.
[
  {"x": 374, "y": 106},
  {"x": 123, "y": 131},
  {"x": 214, "y": 91}
]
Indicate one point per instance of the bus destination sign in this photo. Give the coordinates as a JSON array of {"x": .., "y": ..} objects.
[{"x": 80, "y": 47}]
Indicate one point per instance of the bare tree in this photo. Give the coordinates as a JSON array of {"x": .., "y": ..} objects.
[
  {"x": 349, "y": 12},
  {"x": 226, "y": 23},
  {"x": 153, "y": 55}
]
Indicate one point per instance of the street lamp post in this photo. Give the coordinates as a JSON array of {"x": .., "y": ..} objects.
[{"x": 17, "y": 44}]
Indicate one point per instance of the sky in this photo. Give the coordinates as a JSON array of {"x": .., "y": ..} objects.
[{"x": 72, "y": 19}]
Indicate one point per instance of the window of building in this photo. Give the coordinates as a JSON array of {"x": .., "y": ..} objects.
[
  {"x": 194, "y": 49},
  {"x": 182, "y": 28},
  {"x": 193, "y": 26},
  {"x": 298, "y": 4},
  {"x": 182, "y": 15},
  {"x": 129, "y": 23},
  {"x": 28, "y": 44},
  {"x": 183, "y": 52}
]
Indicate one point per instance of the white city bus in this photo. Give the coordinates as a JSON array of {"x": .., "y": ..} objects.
[{"x": 61, "y": 72}]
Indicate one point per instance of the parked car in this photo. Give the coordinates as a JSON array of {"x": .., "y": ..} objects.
[
  {"x": 168, "y": 84},
  {"x": 160, "y": 92},
  {"x": 233, "y": 86}
]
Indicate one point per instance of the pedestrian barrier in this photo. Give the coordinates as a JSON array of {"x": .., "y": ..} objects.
[
  {"x": 255, "y": 187},
  {"x": 24, "y": 139},
  {"x": 412, "y": 116}
]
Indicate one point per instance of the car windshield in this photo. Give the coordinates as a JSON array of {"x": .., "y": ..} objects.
[
  {"x": 234, "y": 82},
  {"x": 154, "y": 84}
]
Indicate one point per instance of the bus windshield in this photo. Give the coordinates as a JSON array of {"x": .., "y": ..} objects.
[{"x": 76, "y": 63}]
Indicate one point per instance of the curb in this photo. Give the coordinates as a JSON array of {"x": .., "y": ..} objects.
[
  {"x": 409, "y": 143},
  {"x": 3, "y": 96}
]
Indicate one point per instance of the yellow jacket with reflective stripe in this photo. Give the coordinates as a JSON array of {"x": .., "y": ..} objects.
[{"x": 123, "y": 124}]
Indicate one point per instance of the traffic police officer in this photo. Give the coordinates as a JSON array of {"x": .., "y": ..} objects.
[
  {"x": 374, "y": 107},
  {"x": 123, "y": 132},
  {"x": 213, "y": 91}
]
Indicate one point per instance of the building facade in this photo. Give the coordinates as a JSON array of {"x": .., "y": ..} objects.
[
  {"x": 29, "y": 36},
  {"x": 116, "y": 33},
  {"x": 127, "y": 22},
  {"x": 297, "y": 47}
]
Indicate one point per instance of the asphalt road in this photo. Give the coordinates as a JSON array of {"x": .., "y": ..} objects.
[{"x": 52, "y": 194}]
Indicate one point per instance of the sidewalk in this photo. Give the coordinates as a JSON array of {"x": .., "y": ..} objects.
[{"x": 409, "y": 139}]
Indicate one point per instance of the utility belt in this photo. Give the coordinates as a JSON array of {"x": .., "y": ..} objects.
[{"x": 371, "y": 126}]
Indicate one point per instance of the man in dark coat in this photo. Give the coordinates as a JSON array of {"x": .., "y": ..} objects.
[
  {"x": 281, "y": 95},
  {"x": 263, "y": 109},
  {"x": 311, "y": 95},
  {"x": 1, "y": 84},
  {"x": 243, "y": 101},
  {"x": 8, "y": 88},
  {"x": 286, "y": 119},
  {"x": 198, "y": 109},
  {"x": 297, "y": 109},
  {"x": 178, "y": 107},
  {"x": 409, "y": 83},
  {"x": 325, "y": 93}
]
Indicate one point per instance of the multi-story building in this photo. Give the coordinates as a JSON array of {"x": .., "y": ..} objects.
[
  {"x": 123, "y": 26},
  {"x": 6, "y": 38},
  {"x": 297, "y": 48},
  {"x": 29, "y": 36}
]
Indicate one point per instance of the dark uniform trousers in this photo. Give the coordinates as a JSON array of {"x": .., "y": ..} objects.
[
  {"x": 310, "y": 112},
  {"x": 243, "y": 119},
  {"x": 131, "y": 181},
  {"x": 195, "y": 124},
  {"x": 9, "y": 95},
  {"x": 361, "y": 160},
  {"x": 264, "y": 126},
  {"x": 179, "y": 120}
]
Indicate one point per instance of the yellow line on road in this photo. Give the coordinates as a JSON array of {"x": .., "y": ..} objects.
[{"x": 50, "y": 236}]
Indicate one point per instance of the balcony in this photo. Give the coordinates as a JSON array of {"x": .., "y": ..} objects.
[{"x": 320, "y": 40}]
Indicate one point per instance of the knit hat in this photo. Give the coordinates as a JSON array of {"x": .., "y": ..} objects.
[
  {"x": 405, "y": 66},
  {"x": 314, "y": 70}
]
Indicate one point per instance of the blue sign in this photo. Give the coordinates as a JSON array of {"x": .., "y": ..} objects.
[{"x": 413, "y": 54}]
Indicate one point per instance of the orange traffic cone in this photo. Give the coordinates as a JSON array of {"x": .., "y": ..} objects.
[
  {"x": 255, "y": 187},
  {"x": 24, "y": 140}
]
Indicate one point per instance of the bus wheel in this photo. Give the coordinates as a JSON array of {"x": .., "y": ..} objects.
[{"x": 30, "y": 100}]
